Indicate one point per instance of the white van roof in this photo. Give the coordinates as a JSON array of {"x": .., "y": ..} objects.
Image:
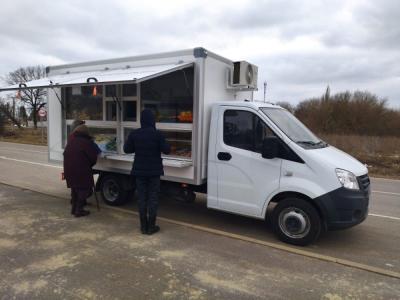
[{"x": 247, "y": 103}]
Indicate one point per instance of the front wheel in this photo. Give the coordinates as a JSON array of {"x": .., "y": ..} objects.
[{"x": 295, "y": 221}]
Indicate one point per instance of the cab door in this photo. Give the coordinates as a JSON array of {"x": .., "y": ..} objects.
[{"x": 245, "y": 178}]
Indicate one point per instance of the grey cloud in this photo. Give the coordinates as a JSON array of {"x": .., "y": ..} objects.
[
  {"x": 376, "y": 24},
  {"x": 359, "y": 52},
  {"x": 328, "y": 67}
]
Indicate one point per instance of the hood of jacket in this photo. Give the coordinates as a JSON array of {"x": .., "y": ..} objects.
[{"x": 147, "y": 119}]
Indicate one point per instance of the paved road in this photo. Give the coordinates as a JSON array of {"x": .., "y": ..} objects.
[
  {"x": 47, "y": 254},
  {"x": 375, "y": 242}
]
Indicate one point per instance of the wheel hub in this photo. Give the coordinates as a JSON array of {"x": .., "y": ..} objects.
[
  {"x": 110, "y": 190},
  {"x": 294, "y": 222}
]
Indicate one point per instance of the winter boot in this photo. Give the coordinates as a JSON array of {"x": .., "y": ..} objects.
[
  {"x": 73, "y": 206},
  {"x": 81, "y": 213},
  {"x": 153, "y": 228},
  {"x": 144, "y": 224}
]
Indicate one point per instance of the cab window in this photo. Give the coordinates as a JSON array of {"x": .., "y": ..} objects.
[{"x": 245, "y": 130}]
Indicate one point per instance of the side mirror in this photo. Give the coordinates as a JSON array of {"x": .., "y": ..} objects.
[{"x": 270, "y": 147}]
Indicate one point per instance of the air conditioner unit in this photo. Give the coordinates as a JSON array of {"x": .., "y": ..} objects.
[{"x": 244, "y": 74}]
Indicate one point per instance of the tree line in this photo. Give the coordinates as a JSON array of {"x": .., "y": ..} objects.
[{"x": 347, "y": 113}]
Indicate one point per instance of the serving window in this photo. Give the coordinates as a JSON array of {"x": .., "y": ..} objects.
[
  {"x": 180, "y": 141},
  {"x": 129, "y": 90},
  {"x": 170, "y": 96},
  {"x": 84, "y": 102},
  {"x": 129, "y": 111},
  {"x": 105, "y": 138},
  {"x": 112, "y": 111}
]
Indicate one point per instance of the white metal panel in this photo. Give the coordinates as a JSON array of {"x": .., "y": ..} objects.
[
  {"x": 54, "y": 117},
  {"x": 214, "y": 89},
  {"x": 246, "y": 180}
]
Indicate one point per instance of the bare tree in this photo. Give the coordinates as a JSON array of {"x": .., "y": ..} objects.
[
  {"x": 23, "y": 116},
  {"x": 7, "y": 112},
  {"x": 32, "y": 98},
  {"x": 3, "y": 121},
  {"x": 287, "y": 105}
]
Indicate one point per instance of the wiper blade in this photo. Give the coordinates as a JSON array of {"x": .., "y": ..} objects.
[
  {"x": 312, "y": 143},
  {"x": 307, "y": 142}
]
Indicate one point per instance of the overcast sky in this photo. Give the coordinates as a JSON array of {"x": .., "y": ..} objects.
[{"x": 299, "y": 46}]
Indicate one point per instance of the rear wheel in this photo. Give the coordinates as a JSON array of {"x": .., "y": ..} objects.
[
  {"x": 188, "y": 196},
  {"x": 295, "y": 221},
  {"x": 112, "y": 190}
]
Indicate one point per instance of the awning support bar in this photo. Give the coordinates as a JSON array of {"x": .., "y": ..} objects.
[
  {"x": 58, "y": 97},
  {"x": 116, "y": 100}
]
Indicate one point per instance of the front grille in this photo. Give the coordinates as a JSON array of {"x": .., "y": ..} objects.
[{"x": 364, "y": 182}]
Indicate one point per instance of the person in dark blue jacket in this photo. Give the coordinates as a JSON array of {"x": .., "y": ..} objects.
[{"x": 147, "y": 143}]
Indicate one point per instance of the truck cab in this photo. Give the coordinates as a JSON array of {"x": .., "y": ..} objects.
[{"x": 259, "y": 155}]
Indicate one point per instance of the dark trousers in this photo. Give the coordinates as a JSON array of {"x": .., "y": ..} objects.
[
  {"x": 78, "y": 199},
  {"x": 148, "y": 189}
]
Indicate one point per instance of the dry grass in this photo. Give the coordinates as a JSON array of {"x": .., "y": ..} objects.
[
  {"x": 381, "y": 154},
  {"x": 24, "y": 136}
]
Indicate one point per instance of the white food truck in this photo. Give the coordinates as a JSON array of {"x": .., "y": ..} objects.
[{"x": 245, "y": 155}]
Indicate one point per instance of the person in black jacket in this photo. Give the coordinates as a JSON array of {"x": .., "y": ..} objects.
[{"x": 147, "y": 143}]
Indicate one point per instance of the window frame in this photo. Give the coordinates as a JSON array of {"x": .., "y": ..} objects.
[{"x": 255, "y": 118}]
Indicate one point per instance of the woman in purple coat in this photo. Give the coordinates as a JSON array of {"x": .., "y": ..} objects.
[{"x": 80, "y": 155}]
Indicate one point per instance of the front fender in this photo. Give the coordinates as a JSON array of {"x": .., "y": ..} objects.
[{"x": 302, "y": 186}]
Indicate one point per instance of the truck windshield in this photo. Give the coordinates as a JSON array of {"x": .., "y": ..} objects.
[{"x": 293, "y": 128}]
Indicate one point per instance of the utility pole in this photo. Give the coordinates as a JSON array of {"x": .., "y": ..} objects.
[{"x": 265, "y": 89}]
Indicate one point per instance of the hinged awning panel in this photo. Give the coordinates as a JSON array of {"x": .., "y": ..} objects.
[{"x": 136, "y": 74}]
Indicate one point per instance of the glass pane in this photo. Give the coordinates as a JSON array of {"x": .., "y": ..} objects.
[
  {"x": 111, "y": 90},
  {"x": 181, "y": 143},
  {"x": 84, "y": 103},
  {"x": 68, "y": 130},
  {"x": 261, "y": 131},
  {"x": 111, "y": 111},
  {"x": 105, "y": 138},
  {"x": 65, "y": 137},
  {"x": 129, "y": 109},
  {"x": 127, "y": 131},
  {"x": 245, "y": 130},
  {"x": 170, "y": 97},
  {"x": 290, "y": 125},
  {"x": 238, "y": 129},
  {"x": 129, "y": 90}
]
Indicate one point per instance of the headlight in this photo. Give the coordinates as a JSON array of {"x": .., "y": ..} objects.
[{"x": 347, "y": 179}]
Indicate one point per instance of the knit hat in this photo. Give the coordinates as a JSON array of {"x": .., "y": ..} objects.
[
  {"x": 75, "y": 124},
  {"x": 82, "y": 129}
]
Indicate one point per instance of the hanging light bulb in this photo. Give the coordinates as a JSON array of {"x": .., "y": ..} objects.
[{"x": 94, "y": 93}]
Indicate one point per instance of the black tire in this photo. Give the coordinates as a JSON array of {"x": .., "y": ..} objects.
[
  {"x": 295, "y": 221},
  {"x": 188, "y": 196},
  {"x": 112, "y": 190}
]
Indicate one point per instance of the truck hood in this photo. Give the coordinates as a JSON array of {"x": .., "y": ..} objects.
[{"x": 335, "y": 158}]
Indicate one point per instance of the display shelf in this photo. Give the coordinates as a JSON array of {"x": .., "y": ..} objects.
[{"x": 167, "y": 162}]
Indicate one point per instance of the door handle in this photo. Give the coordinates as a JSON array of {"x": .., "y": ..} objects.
[{"x": 224, "y": 156}]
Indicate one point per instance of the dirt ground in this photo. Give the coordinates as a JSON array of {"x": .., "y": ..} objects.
[{"x": 45, "y": 253}]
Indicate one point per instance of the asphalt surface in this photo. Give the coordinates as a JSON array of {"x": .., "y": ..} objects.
[{"x": 373, "y": 243}]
